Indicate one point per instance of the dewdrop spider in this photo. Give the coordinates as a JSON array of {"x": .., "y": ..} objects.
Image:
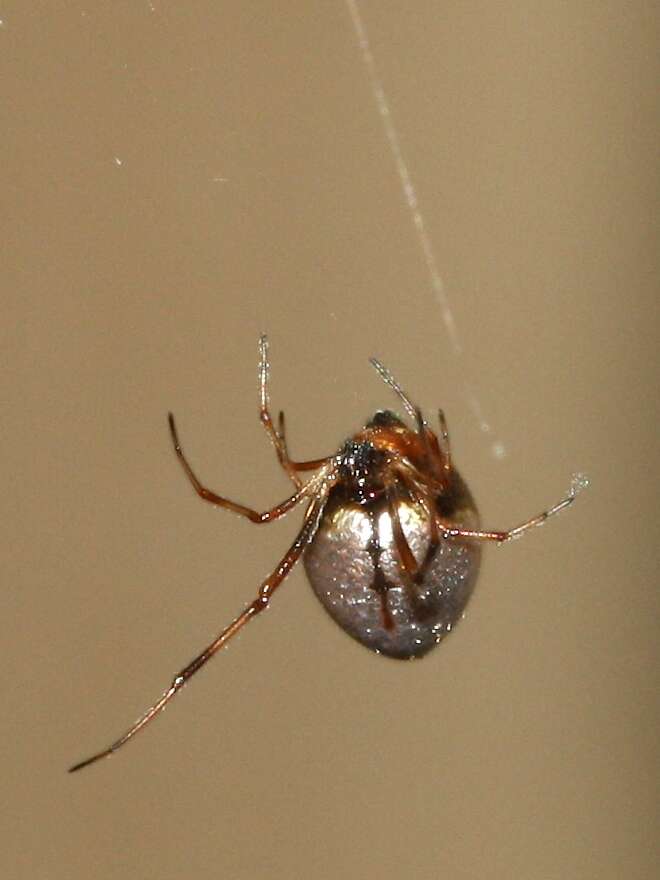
[{"x": 390, "y": 539}]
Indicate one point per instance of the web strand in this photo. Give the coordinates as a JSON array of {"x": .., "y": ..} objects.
[
  {"x": 412, "y": 202},
  {"x": 409, "y": 192}
]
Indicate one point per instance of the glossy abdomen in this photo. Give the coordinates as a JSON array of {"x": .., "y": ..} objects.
[{"x": 354, "y": 568}]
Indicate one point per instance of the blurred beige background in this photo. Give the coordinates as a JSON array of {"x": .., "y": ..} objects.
[{"x": 178, "y": 177}]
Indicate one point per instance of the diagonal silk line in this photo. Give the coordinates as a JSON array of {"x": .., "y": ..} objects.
[
  {"x": 407, "y": 185},
  {"x": 410, "y": 195}
]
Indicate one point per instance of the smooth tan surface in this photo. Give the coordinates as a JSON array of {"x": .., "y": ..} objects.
[{"x": 177, "y": 178}]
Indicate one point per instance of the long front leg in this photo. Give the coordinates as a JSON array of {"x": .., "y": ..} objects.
[{"x": 262, "y": 600}]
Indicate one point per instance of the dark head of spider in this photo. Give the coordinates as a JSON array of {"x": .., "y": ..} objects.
[
  {"x": 360, "y": 467},
  {"x": 367, "y": 463}
]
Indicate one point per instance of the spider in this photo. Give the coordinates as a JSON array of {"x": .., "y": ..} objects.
[{"x": 390, "y": 538}]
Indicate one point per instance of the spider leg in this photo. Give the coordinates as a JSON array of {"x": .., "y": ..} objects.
[
  {"x": 444, "y": 433},
  {"x": 311, "y": 465},
  {"x": 219, "y": 501},
  {"x": 276, "y": 438},
  {"x": 266, "y": 590},
  {"x": 577, "y": 484}
]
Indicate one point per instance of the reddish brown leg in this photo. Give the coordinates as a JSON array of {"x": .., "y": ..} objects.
[
  {"x": 266, "y": 590},
  {"x": 406, "y": 556},
  {"x": 434, "y": 541},
  {"x": 410, "y": 565},
  {"x": 312, "y": 465},
  {"x": 413, "y": 573},
  {"x": 424, "y": 435},
  {"x": 207, "y": 495},
  {"x": 427, "y": 505},
  {"x": 577, "y": 484}
]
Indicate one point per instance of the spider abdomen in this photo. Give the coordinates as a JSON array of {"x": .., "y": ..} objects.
[{"x": 355, "y": 568}]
